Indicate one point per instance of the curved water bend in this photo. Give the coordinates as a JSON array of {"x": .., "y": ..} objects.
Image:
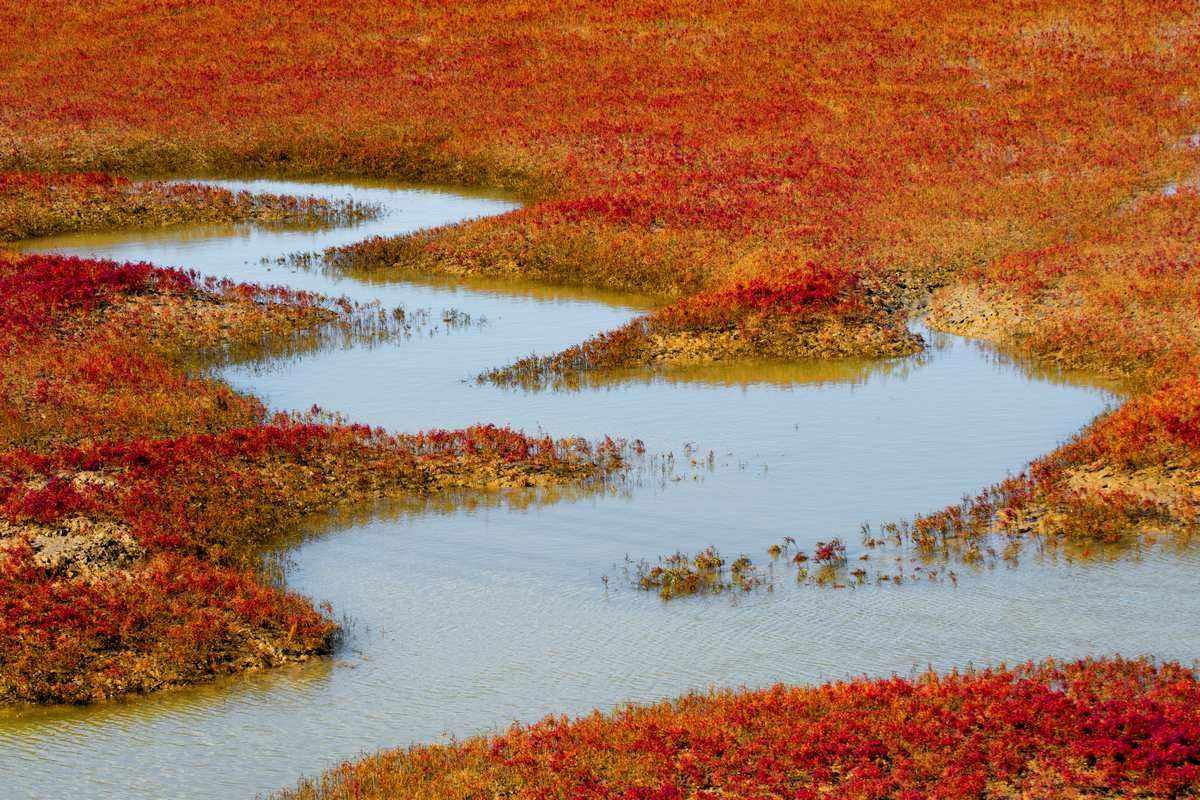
[{"x": 468, "y": 619}]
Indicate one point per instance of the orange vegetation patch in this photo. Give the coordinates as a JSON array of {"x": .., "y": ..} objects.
[
  {"x": 91, "y": 349},
  {"x": 1121, "y": 297},
  {"x": 1104, "y": 728}
]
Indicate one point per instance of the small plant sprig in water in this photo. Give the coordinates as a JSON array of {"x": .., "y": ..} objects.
[{"x": 832, "y": 552}]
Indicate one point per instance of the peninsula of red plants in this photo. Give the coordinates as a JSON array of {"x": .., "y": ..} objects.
[{"x": 1108, "y": 728}]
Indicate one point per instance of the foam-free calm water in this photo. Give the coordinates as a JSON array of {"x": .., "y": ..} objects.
[{"x": 465, "y": 620}]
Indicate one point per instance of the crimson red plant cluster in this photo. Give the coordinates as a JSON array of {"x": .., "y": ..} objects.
[
  {"x": 40, "y": 291},
  {"x": 1097, "y": 728}
]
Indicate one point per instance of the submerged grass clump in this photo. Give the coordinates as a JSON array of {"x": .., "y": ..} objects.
[
  {"x": 350, "y": 324},
  {"x": 679, "y": 575}
]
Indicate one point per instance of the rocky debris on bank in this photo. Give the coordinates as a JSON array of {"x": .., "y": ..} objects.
[{"x": 76, "y": 547}]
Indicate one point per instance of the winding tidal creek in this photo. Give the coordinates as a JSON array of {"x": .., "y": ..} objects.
[{"x": 468, "y": 613}]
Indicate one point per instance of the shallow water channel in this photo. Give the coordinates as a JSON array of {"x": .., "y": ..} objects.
[{"x": 464, "y": 618}]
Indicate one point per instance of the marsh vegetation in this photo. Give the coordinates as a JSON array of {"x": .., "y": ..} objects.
[{"x": 700, "y": 187}]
